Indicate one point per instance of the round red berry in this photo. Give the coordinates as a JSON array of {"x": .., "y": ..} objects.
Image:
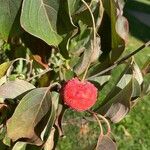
[{"x": 79, "y": 95}]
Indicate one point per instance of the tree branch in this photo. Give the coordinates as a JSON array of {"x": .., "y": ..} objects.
[{"x": 121, "y": 60}]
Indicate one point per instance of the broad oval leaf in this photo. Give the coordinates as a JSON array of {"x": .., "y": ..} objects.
[
  {"x": 9, "y": 10},
  {"x": 117, "y": 107},
  {"x": 39, "y": 18},
  {"x": 12, "y": 89},
  {"x": 30, "y": 111}
]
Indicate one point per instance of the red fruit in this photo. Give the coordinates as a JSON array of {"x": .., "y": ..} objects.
[{"x": 79, "y": 95}]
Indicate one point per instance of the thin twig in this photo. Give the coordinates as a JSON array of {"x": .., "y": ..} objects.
[
  {"x": 101, "y": 12},
  {"x": 99, "y": 122},
  {"x": 107, "y": 123},
  {"x": 40, "y": 74},
  {"x": 133, "y": 53},
  {"x": 121, "y": 60},
  {"x": 11, "y": 66},
  {"x": 94, "y": 37},
  {"x": 101, "y": 128}
]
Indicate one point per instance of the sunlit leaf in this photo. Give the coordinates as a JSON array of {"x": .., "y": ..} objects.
[
  {"x": 12, "y": 89},
  {"x": 19, "y": 146},
  {"x": 117, "y": 107},
  {"x": 3, "y": 68},
  {"x": 3, "y": 80},
  {"x": 122, "y": 27},
  {"x": 101, "y": 80},
  {"x": 119, "y": 79},
  {"x": 41, "y": 20},
  {"x": 137, "y": 73}
]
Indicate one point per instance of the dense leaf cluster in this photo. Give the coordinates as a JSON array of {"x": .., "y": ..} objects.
[{"x": 48, "y": 42}]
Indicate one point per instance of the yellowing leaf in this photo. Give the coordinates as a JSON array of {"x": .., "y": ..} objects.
[{"x": 3, "y": 68}]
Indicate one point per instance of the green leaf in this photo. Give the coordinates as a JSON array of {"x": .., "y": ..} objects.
[
  {"x": 3, "y": 80},
  {"x": 65, "y": 23},
  {"x": 52, "y": 117},
  {"x": 146, "y": 84},
  {"x": 39, "y": 18},
  {"x": 80, "y": 40},
  {"x": 119, "y": 79},
  {"x": 83, "y": 43},
  {"x": 12, "y": 89},
  {"x": 117, "y": 107},
  {"x": 3, "y": 68},
  {"x": 19, "y": 146},
  {"x": 101, "y": 79},
  {"x": 78, "y": 11},
  {"x": 110, "y": 30},
  {"x": 126, "y": 78},
  {"x": 73, "y": 6},
  {"x": 2, "y": 146},
  {"x": 107, "y": 143},
  {"x": 63, "y": 46},
  {"x": 137, "y": 73},
  {"x": 69, "y": 74},
  {"x": 31, "y": 110},
  {"x": 136, "y": 89},
  {"x": 9, "y": 19},
  {"x": 50, "y": 141},
  {"x": 7, "y": 140}
]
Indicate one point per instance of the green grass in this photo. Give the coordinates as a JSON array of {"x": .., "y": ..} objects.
[{"x": 133, "y": 132}]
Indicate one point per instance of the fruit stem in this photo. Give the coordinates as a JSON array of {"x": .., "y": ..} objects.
[
  {"x": 106, "y": 121},
  {"x": 100, "y": 125}
]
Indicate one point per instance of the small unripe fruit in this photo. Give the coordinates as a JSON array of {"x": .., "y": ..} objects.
[{"x": 78, "y": 95}]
